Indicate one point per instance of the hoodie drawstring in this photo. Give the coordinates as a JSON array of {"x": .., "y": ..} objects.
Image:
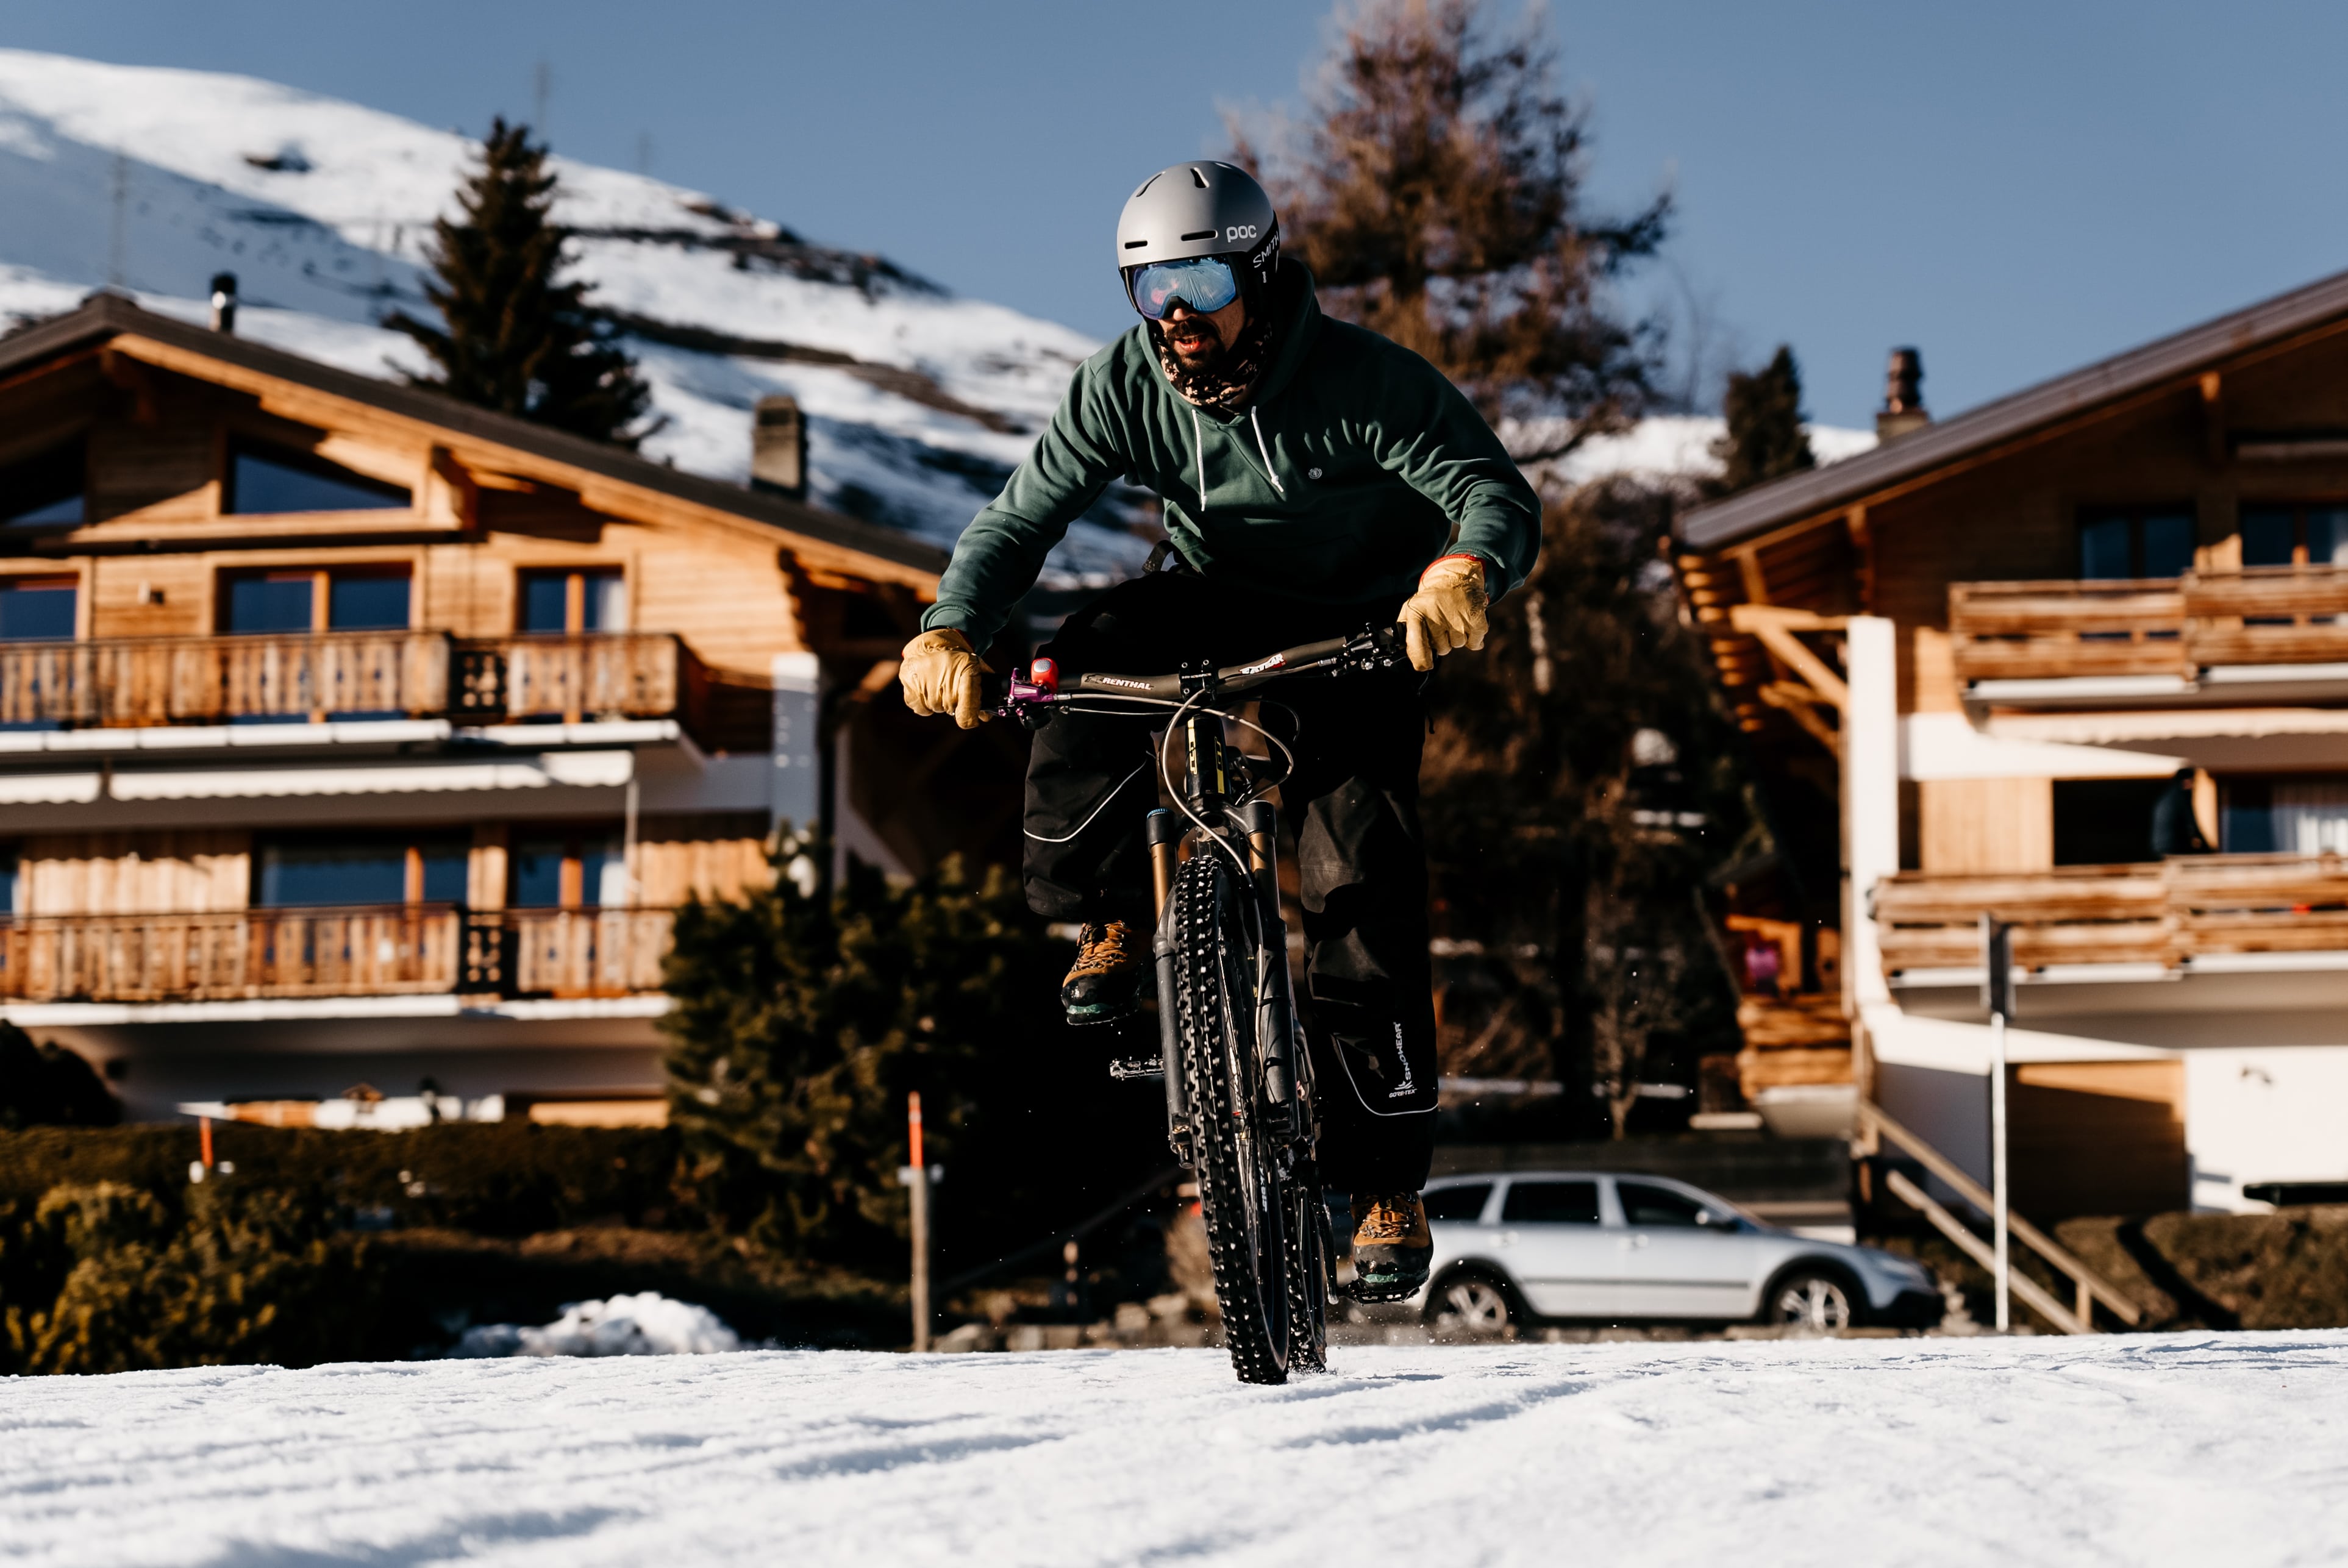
[
  {"x": 1279, "y": 488},
  {"x": 1198, "y": 450}
]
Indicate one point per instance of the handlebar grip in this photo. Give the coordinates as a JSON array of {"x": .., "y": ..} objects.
[{"x": 993, "y": 690}]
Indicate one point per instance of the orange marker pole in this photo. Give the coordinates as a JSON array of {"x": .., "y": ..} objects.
[
  {"x": 204, "y": 1132},
  {"x": 917, "y": 1179}
]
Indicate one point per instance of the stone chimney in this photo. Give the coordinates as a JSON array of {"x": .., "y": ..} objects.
[
  {"x": 224, "y": 303},
  {"x": 778, "y": 448},
  {"x": 1903, "y": 396}
]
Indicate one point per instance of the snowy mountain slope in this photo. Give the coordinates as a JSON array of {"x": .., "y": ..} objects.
[
  {"x": 919, "y": 402},
  {"x": 2140, "y": 1448}
]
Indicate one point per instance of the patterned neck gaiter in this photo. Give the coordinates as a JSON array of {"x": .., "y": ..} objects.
[{"x": 1223, "y": 386}]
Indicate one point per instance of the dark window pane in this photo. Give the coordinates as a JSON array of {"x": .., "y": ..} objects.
[
  {"x": 2105, "y": 821},
  {"x": 8, "y": 883},
  {"x": 2327, "y": 537},
  {"x": 544, "y": 600},
  {"x": 36, "y": 612},
  {"x": 2267, "y": 537},
  {"x": 1551, "y": 1203},
  {"x": 46, "y": 488},
  {"x": 537, "y": 874},
  {"x": 279, "y": 601},
  {"x": 2246, "y": 819},
  {"x": 2103, "y": 549},
  {"x": 298, "y": 874},
  {"x": 606, "y": 606},
  {"x": 367, "y": 603},
  {"x": 2167, "y": 545},
  {"x": 1645, "y": 1205},
  {"x": 271, "y": 481},
  {"x": 1465, "y": 1203},
  {"x": 445, "y": 880}
]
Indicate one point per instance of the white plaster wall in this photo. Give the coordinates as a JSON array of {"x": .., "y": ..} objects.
[
  {"x": 2253, "y": 1113},
  {"x": 2265, "y": 1114}
]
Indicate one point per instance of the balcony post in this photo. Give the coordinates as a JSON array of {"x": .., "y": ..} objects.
[{"x": 1871, "y": 799}]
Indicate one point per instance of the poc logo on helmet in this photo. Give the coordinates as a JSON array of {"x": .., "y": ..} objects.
[{"x": 1239, "y": 231}]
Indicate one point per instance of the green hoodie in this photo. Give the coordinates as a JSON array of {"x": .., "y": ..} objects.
[{"x": 1339, "y": 484}]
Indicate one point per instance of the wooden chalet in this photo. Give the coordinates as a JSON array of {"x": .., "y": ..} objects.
[
  {"x": 351, "y": 734},
  {"x": 2077, "y": 659}
]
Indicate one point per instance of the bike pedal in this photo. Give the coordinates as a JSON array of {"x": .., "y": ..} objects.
[
  {"x": 1378, "y": 1295},
  {"x": 1124, "y": 1070}
]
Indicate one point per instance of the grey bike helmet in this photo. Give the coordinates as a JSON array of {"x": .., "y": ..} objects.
[{"x": 1187, "y": 209}]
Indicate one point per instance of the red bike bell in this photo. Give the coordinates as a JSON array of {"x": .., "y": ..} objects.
[{"x": 1044, "y": 673}]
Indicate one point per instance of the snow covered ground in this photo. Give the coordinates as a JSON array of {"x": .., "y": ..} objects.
[{"x": 2191, "y": 1449}]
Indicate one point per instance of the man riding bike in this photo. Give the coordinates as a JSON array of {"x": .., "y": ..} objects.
[{"x": 1316, "y": 478}]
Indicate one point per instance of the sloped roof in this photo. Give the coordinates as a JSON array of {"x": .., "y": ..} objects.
[
  {"x": 2197, "y": 348},
  {"x": 106, "y": 315}
]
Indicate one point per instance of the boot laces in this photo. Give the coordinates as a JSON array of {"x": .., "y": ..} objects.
[
  {"x": 1385, "y": 1219},
  {"x": 1104, "y": 948}
]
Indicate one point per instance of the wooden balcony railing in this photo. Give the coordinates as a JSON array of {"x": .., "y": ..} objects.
[
  {"x": 595, "y": 675},
  {"x": 136, "y": 682},
  {"x": 2167, "y": 913},
  {"x": 368, "y": 951},
  {"x": 2003, "y": 631},
  {"x": 141, "y": 681},
  {"x": 2168, "y": 626}
]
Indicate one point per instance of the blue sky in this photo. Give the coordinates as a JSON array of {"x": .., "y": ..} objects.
[{"x": 2015, "y": 187}]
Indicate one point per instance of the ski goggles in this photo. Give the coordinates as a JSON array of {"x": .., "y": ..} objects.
[{"x": 1204, "y": 284}]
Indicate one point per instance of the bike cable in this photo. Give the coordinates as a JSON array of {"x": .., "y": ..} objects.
[{"x": 1115, "y": 790}]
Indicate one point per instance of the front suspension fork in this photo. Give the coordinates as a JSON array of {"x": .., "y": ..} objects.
[
  {"x": 1163, "y": 835},
  {"x": 1275, "y": 1007}
]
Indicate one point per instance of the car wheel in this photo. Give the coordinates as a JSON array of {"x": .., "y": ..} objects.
[
  {"x": 1811, "y": 1301},
  {"x": 1471, "y": 1305}
]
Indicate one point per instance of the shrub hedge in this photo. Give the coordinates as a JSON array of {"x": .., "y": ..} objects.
[{"x": 496, "y": 1179}]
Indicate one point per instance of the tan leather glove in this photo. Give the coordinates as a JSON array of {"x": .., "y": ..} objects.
[
  {"x": 1447, "y": 612},
  {"x": 939, "y": 672}
]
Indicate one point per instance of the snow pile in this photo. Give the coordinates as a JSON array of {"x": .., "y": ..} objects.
[
  {"x": 646, "y": 1323},
  {"x": 2142, "y": 1449},
  {"x": 919, "y": 403}
]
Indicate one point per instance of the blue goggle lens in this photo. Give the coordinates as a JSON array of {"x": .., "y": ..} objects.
[{"x": 1205, "y": 284}]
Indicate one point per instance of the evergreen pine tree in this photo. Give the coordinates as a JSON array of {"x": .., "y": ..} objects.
[
  {"x": 1437, "y": 194},
  {"x": 519, "y": 338},
  {"x": 1766, "y": 440}
]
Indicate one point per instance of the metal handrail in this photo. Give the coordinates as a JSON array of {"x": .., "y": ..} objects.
[{"x": 1873, "y": 1119}]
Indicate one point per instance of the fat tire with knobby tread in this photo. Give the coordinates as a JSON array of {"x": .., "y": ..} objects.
[
  {"x": 1308, "y": 1272},
  {"x": 1215, "y": 1030}
]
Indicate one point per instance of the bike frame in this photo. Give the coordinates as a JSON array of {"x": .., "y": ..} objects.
[{"x": 1215, "y": 818}]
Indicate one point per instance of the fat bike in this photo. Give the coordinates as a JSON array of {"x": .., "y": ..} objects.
[{"x": 1240, "y": 1106}]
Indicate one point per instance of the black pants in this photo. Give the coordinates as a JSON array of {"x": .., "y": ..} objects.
[{"x": 1367, "y": 1002}]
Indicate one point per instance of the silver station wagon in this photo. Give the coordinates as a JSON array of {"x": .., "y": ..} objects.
[{"x": 1602, "y": 1247}]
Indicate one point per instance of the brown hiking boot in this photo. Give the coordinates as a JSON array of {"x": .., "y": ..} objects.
[
  {"x": 1391, "y": 1245},
  {"x": 1104, "y": 984}
]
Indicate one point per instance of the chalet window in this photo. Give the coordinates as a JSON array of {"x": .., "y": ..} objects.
[
  {"x": 566, "y": 871},
  {"x": 2305, "y": 816},
  {"x": 2294, "y": 535},
  {"x": 300, "y": 598},
  {"x": 590, "y": 600},
  {"x": 2145, "y": 542},
  {"x": 8, "y": 883},
  {"x": 37, "y": 609},
  {"x": 264, "y": 478},
  {"x": 311, "y": 871},
  {"x": 2106, "y": 822},
  {"x": 46, "y": 488}
]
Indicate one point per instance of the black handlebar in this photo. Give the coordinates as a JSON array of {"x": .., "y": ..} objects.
[{"x": 1371, "y": 648}]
